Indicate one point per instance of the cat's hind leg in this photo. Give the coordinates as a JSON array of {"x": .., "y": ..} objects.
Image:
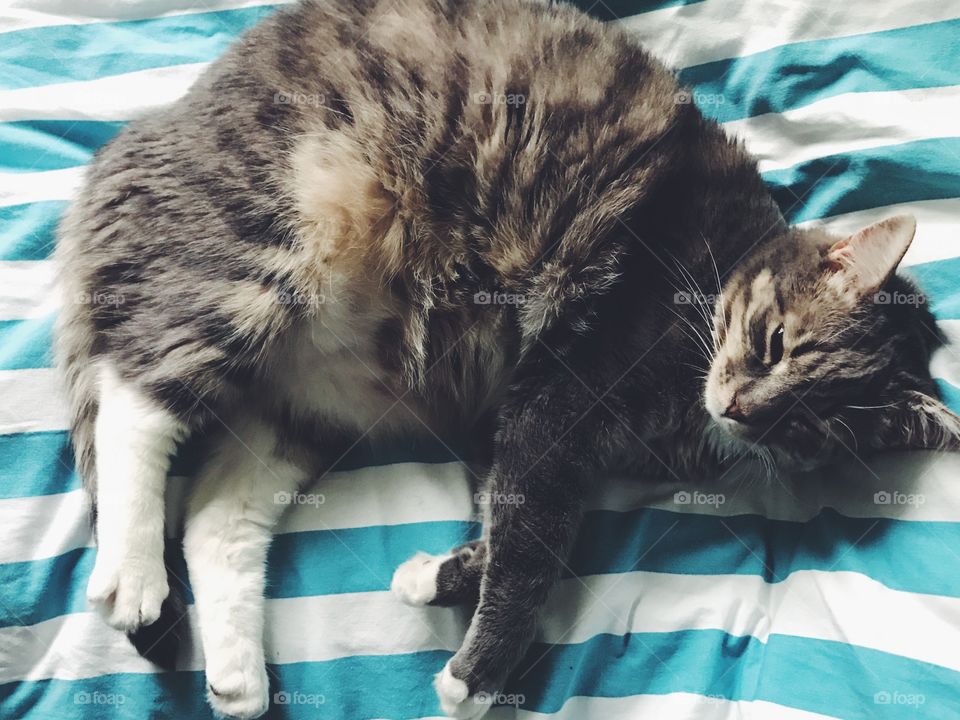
[
  {"x": 444, "y": 580},
  {"x": 134, "y": 438},
  {"x": 241, "y": 492}
]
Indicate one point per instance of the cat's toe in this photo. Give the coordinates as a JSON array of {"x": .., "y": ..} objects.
[
  {"x": 415, "y": 582},
  {"x": 455, "y": 698},
  {"x": 127, "y": 592},
  {"x": 240, "y": 692}
]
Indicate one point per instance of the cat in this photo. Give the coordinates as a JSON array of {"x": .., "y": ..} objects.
[{"x": 479, "y": 219}]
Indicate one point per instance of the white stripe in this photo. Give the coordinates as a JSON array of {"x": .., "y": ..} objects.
[
  {"x": 675, "y": 706},
  {"x": 27, "y": 187},
  {"x": 839, "y": 606},
  {"x": 847, "y": 123},
  {"x": 936, "y": 238},
  {"x": 835, "y": 606},
  {"x": 25, "y": 14},
  {"x": 917, "y": 485},
  {"x": 28, "y": 289},
  {"x": 31, "y": 401},
  {"x": 63, "y": 519},
  {"x": 118, "y": 97},
  {"x": 703, "y": 32}
]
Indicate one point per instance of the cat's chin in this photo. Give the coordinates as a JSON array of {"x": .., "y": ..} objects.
[{"x": 729, "y": 438}]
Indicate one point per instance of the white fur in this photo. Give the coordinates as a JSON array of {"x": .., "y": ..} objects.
[
  {"x": 228, "y": 527},
  {"x": 415, "y": 582},
  {"x": 134, "y": 441},
  {"x": 455, "y": 698}
]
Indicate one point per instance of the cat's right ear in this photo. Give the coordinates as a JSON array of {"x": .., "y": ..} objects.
[{"x": 860, "y": 264}]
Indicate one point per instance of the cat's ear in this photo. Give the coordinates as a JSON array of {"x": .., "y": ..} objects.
[
  {"x": 863, "y": 262},
  {"x": 919, "y": 422}
]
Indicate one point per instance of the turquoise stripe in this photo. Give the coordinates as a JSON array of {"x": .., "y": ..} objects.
[
  {"x": 385, "y": 686},
  {"x": 35, "y": 145},
  {"x": 940, "y": 280},
  {"x": 612, "y": 542},
  {"x": 791, "y": 671},
  {"x": 799, "y": 74},
  {"x": 875, "y": 177},
  {"x": 27, "y": 232},
  {"x": 38, "y": 463},
  {"x": 65, "y": 53},
  {"x": 363, "y": 559},
  {"x": 832, "y": 678},
  {"x": 950, "y": 394},
  {"x": 353, "y": 560},
  {"x": 26, "y": 344}
]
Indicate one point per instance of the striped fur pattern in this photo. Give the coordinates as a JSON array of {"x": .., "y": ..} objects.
[{"x": 367, "y": 223}]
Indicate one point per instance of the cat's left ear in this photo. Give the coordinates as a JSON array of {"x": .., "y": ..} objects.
[
  {"x": 862, "y": 263},
  {"x": 918, "y": 422}
]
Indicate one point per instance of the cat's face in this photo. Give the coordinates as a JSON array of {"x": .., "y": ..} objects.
[{"x": 819, "y": 347}]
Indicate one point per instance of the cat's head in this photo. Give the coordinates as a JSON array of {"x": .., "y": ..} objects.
[{"x": 821, "y": 347}]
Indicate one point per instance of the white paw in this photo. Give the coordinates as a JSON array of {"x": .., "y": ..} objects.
[
  {"x": 415, "y": 582},
  {"x": 455, "y": 698},
  {"x": 127, "y": 591},
  {"x": 237, "y": 684}
]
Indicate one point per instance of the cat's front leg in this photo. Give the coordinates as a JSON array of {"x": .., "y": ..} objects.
[
  {"x": 535, "y": 501},
  {"x": 241, "y": 492}
]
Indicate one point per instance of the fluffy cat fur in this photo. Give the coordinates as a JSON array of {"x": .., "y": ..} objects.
[{"x": 466, "y": 220}]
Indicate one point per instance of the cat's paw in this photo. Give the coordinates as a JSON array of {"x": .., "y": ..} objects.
[
  {"x": 237, "y": 684},
  {"x": 127, "y": 591},
  {"x": 455, "y": 698},
  {"x": 415, "y": 582}
]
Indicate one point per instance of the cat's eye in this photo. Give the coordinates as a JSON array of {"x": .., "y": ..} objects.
[{"x": 776, "y": 345}]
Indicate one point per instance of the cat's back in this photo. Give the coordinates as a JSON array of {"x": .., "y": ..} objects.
[{"x": 403, "y": 159}]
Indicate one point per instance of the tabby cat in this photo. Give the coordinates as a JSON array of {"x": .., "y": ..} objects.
[{"x": 493, "y": 220}]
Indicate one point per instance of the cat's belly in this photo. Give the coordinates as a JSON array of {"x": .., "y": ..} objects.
[{"x": 329, "y": 371}]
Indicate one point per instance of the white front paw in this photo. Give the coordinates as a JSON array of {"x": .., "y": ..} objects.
[
  {"x": 127, "y": 591},
  {"x": 237, "y": 683},
  {"x": 455, "y": 698},
  {"x": 415, "y": 582}
]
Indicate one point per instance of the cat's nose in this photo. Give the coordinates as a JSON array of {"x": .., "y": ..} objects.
[{"x": 733, "y": 411}]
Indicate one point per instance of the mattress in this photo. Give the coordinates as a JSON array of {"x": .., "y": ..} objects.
[{"x": 834, "y": 594}]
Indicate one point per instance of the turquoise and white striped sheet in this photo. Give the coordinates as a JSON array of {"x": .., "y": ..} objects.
[{"x": 836, "y": 595}]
